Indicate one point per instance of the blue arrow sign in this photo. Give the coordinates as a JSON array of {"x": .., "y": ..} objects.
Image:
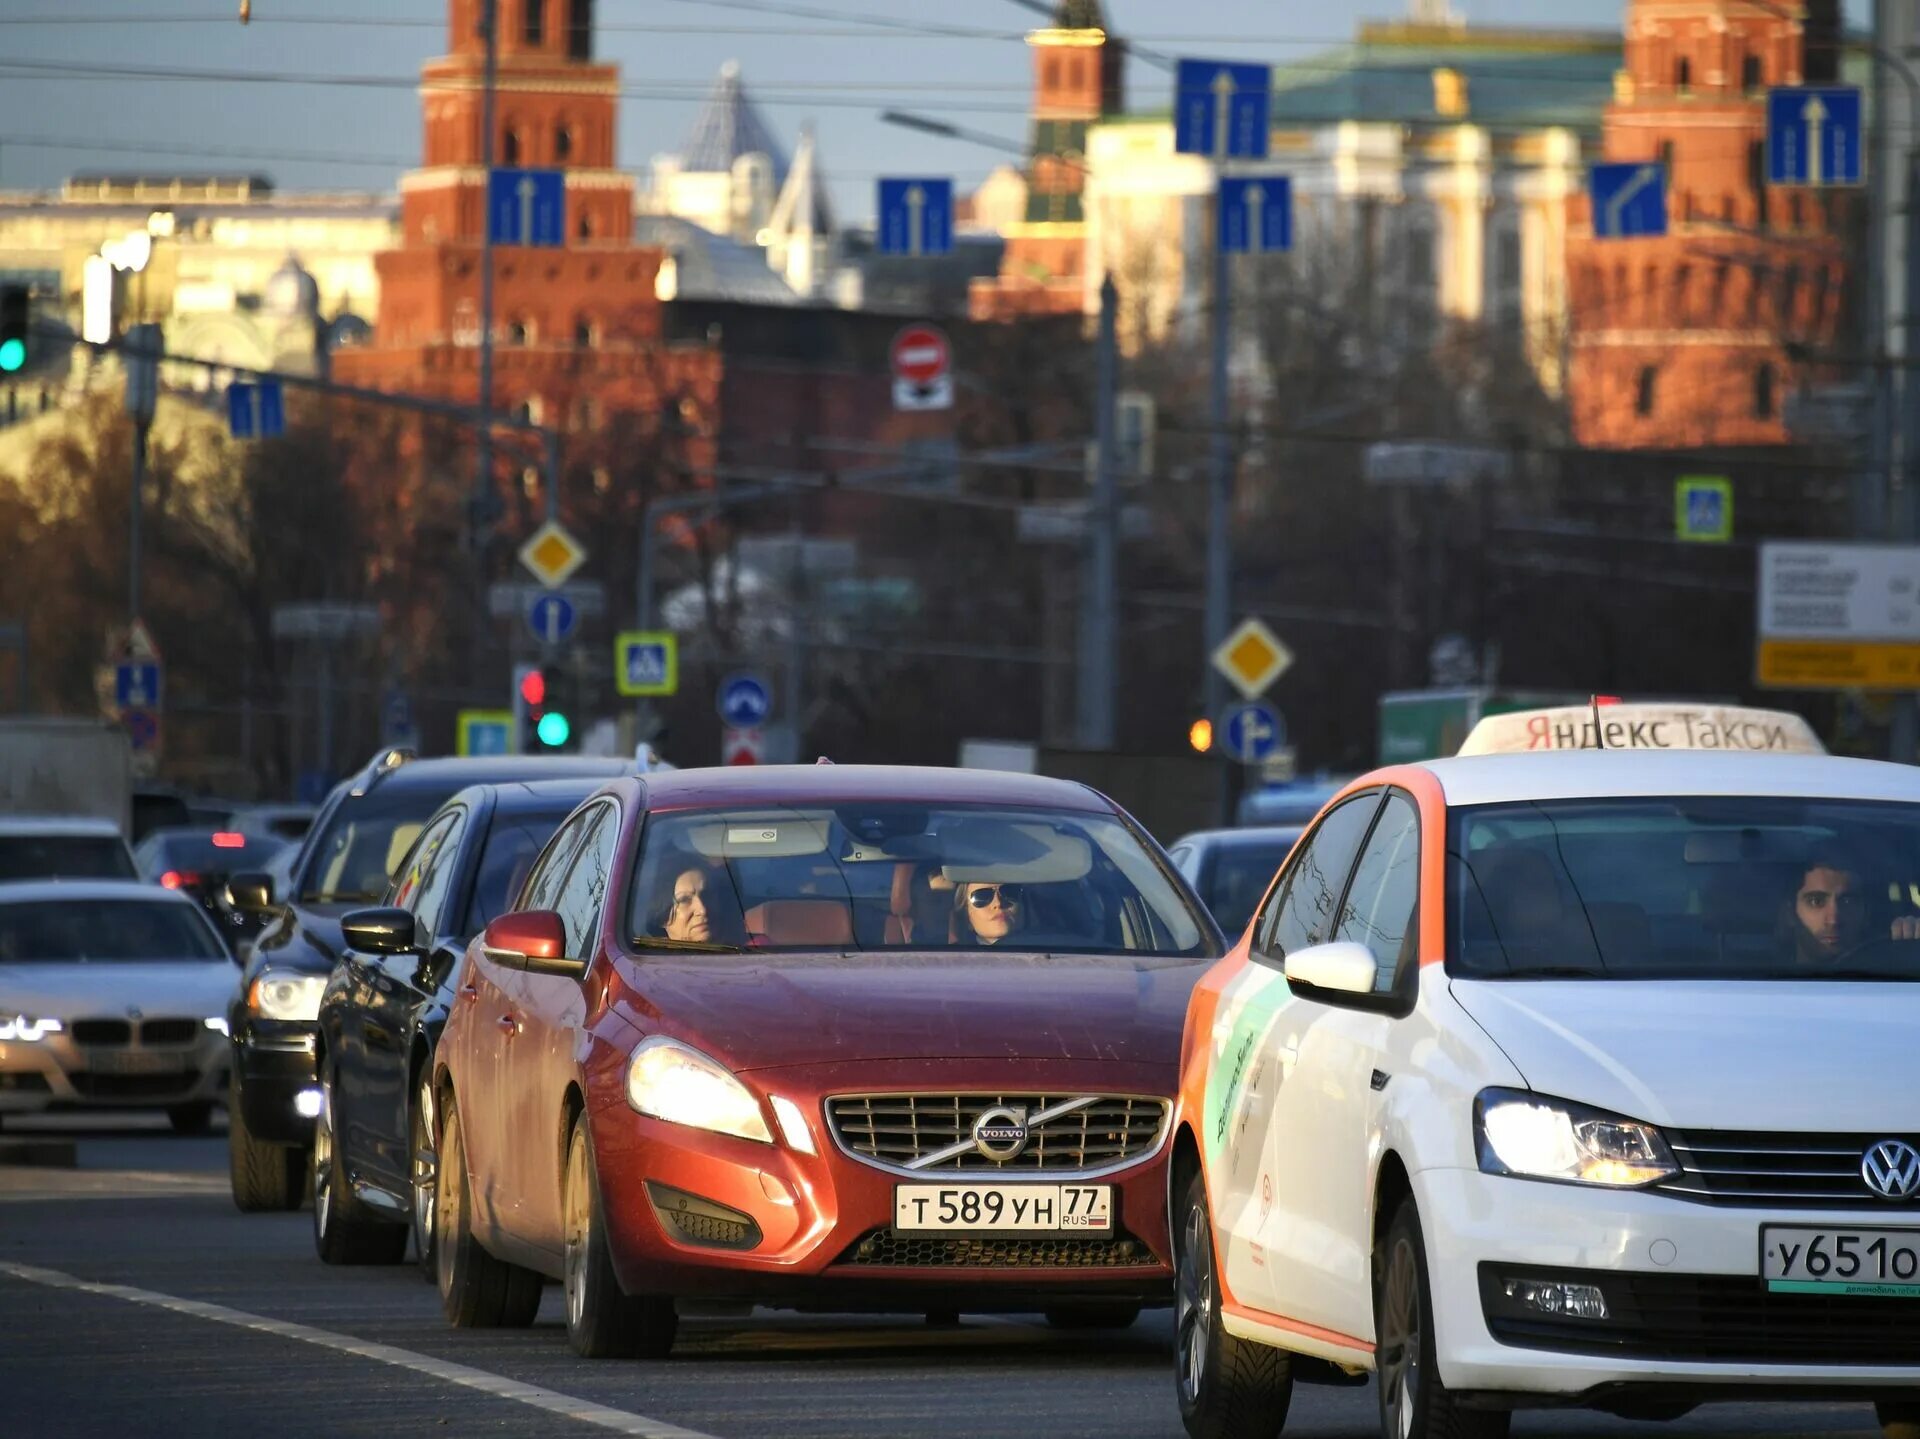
[
  {"x": 1629, "y": 200},
  {"x": 527, "y": 207},
  {"x": 257, "y": 410},
  {"x": 1254, "y": 731},
  {"x": 744, "y": 701},
  {"x": 143, "y": 730},
  {"x": 916, "y": 217},
  {"x": 136, "y": 685},
  {"x": 1223, "y": 110},
  {"x": 1256, "y": 214},
  {"x": 551, "y": 617},
  {"x": 1813, "y": 136}
]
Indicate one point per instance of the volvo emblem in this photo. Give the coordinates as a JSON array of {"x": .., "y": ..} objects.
[
  {"x": 1000, "y": 1134},
  {"x": 1891, "y": 1169}
]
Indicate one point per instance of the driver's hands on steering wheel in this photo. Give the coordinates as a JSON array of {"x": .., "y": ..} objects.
[{"x": 1907, "y": 926}]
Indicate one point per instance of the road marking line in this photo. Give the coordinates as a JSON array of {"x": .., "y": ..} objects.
[{"x": 565, "y": 1405}]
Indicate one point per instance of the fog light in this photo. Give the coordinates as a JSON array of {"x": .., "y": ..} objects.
[
  {"x": 307, "y": 1104},
  {"x": 1572, "y": 1301}
]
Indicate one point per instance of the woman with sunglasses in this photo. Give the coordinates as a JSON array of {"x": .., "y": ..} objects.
[{"x": 988, "y": 913}]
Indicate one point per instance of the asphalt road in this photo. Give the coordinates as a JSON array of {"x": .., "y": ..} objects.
[{"x": 135, "y": 1301}]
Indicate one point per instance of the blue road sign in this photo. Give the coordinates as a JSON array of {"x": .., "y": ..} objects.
[
  {"x": 1256, "y": 214},
  {"x": 396, "y": 717},
  {"x": 744, "y": 701},
  {"x": 916, "y": 217},
  {"x": 1629, "y": 200},
  {"x": 1222, "y": 109},
  {"x": 1254, "y": 732},
  {"x": 256, "y": 411},
  {"x": 551, "y": 617},
  {"x": 143, "y": 730},
  {"x": 646, "y": 662},
  {"x": 527, "y": 207},
  {"x": 136, "y": 684},
  {"x": 1813, "y": 136},
  {"x": 1703, "y": 508}
]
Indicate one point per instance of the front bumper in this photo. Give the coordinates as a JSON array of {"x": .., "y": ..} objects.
[
  {"x": 60, "y": 1073},
  {"x": 1688, "y": 1314},
  {"x": 273, "y": 1064}
]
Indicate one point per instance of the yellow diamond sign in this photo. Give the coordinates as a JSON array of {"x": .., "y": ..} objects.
[
  {"x": 1252, "y": 657},
  {"x": 552, "y": 554}
]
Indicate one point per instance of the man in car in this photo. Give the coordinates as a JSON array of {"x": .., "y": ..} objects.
[{"x": 1829, "y": 914}]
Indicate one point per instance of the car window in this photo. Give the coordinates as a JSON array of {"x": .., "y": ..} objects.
[
  {"x": 111, "y": 931},
  {"x": 1238, "y": 879},
  {"x": 442, "y": 864},
  {"x": 65, "y": 856},
  {"x": 365, "y": 839},
  {"x": 407, "y": 880},
  {"x": 512, "y": 844},
  {"x": 550, "y": 872},
  {"x": 586, "y": 883},
  {"x": 1379, "y": 907},
  {"x": 1301, "y": 912}
]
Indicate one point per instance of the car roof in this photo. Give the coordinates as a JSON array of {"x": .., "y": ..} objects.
[
  {"x": 456, "y": 773},
  {"x": 536, "y": 796},
  {"x": 89, "y": 891},
  {"x": 29, "y": 824},
  {"x": 1597, "y": 774},
  {"x": 857, "y": 783}
]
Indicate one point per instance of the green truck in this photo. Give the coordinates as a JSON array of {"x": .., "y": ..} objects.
[{"x": 1430, "y": 724}]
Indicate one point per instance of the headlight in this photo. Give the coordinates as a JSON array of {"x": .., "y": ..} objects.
[
  {"x": 287, "y": 996},
  {"x": 26, "y": 1029},
  {"x": 1534, "y": 1137},
  {"x": 217, "y": 1023},
  {"x": 671, "y": 1081}
]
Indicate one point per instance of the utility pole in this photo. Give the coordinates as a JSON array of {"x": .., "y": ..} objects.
[
  {"x": 1100, "y": 587},
  {"x": 141, "y": 359},
  {"x": 1219, "y": 470}
]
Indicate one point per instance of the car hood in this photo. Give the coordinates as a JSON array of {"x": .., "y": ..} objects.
[
  {"x": 760, "y": 1012},
  {"x": 81, "y": 991},
  {"x": 1793, "y": 1055},
  {"x": 306, "y": 937}
]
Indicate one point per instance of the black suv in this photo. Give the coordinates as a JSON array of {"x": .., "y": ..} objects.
[{"x": 358, "y": 839}]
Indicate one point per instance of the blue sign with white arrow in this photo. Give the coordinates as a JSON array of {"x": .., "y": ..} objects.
[
  {"x": 744, "y": 701},
  {"x": 1223, "y": 110},
  {"x": 1813, "y": 136},
  {"x": 551, "y": 617},
  {"x": 527, "y": 207},
  {"x": 1256, "y": 214},
  {"x": 1629, "y": 200},
  {"x": 257, "y": 410},
  {"x": 916, "y": 217},
  {"x": 136, "y": 684},
  {"x": 1254, "y": 732}
]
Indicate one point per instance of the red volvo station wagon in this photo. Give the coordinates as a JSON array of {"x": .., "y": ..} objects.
[{"x": 832, "y": 1037}]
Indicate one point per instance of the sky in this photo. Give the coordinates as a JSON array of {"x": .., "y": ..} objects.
[{"x": 800, "y": 59}]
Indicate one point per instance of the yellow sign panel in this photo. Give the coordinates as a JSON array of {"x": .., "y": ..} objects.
[
  {"x": 483, "y": 732},
  {"x": 1252, "y": 657},
  {"x": 552, "y": 555},
  {"x": 1838, "y": 665}
]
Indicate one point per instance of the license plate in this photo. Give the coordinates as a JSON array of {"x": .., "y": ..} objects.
[
  {"x": 999, "y": 1208},
  {"x": 1796, "y": 1260},
  {"x": 139, "y": 1061}
]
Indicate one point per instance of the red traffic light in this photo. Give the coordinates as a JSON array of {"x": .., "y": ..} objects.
[{"x": 533, "y": 687}]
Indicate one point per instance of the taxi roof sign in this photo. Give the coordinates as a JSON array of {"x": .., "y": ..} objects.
[{"x": 1655, "y": 726}]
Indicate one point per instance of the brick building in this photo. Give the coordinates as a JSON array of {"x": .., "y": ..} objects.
[{"x": 1690, "y": 339}]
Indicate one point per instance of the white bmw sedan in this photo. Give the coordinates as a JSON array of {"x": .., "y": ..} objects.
[
  {"x": 1564, "y": 1079},
  {"x": 112, "y": 996}
]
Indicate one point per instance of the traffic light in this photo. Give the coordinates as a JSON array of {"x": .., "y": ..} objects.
[
  {"x": 16, "y": 313},
  {"x": 529, "y": 704},
  {"x": 1200, "y": 735},
  {"x": 554, "y": 728}
]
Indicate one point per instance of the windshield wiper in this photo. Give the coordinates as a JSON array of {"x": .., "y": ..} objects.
[
  {"x": 1559, "y": 971},
  {"x": 696, "y": 946}
]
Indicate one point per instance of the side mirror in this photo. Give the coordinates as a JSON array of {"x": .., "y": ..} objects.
[
  {"x": 533, "y": 940},
  {"x": 1345, "y": 968},
  {"x": 381, "y": 931},
  {"x": 250, "y": 892}
]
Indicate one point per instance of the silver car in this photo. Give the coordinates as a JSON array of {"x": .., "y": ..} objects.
[{"x": 113, "y": 995}]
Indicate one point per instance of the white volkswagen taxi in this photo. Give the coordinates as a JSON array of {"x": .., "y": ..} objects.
[{"x": 1565, "y": 1078}]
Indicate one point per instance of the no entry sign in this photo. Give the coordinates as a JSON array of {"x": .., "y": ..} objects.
[{"x": 922, "y": 369}]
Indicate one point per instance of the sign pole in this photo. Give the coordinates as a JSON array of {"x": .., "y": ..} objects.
[
  {"x": 1100, "y": 593},
  {"x": 483, "y": 481},
  {"x": 133, "y": 517},
  {"x": 1905, "y": 507},
  {"x": 1219, "y": 474}
]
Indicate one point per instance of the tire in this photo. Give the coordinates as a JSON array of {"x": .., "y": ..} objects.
[
  {"x": 1899, "y": 1419},
  {"x": 603, "y": 1321},
  {"x": 1414, "y": 1402},
  {"x": 191, "y": 1118},
  {"x": 477, "y": 1291},
  {"x": 345, "y": 1231},
  {"x": 264, "y": 1177},
  {"x": 422, "y": 1147},
  {"x": 1112, "y": 1315},
  {"x": 1228, "y": 1388}
]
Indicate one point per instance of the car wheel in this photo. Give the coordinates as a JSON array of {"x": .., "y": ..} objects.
[
  {"x": 1093, "y": 1316},
  {"x": 1414, "y": 1402},
  {"x": 345, "y": 1231},
  {"x": 477, "y": 1291},
  {"x": 422, "y": 1145},
  {"x": 1898, "y": 1419},
  {"x": 1228, "y": 1388},
  {"x": 191, "y": 1118},
  {"x": 602, "y": 1319},
  {"x": 263, "y": 1176}
]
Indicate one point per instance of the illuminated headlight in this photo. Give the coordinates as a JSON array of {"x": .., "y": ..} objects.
[
  {"x": 671, "y": 1081},
  {"x": 287, "y": 996},
  {"x": 217, "y": 1024},
  {"x": 27, "y": 1030},
  {"x": 1534, "y": 1137}
]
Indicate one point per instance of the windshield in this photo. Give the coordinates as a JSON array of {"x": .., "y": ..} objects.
[
  {"x": 1238, "y": 879},
  {"x": 64, "y": 856},
  {"x": 60, "y": 931},
  {"x": 512, "y": 846},
  {"x": 227, "y": 852},
  {"x": 1690, "y": 888},
  {"x": 365, "y": 839},
  {"x": 889, "y": 876}
]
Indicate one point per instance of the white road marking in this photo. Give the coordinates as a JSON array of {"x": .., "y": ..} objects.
[{"x": 565, "y": 1405}]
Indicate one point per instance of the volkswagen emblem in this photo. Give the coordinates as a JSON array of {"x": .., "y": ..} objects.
[
  {"x": 1000, "y": 1134},
  {"x": 1891, "y": 1169}
]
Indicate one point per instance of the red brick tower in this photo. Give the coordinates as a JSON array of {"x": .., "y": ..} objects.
[{"x": 1684, "y": 341}]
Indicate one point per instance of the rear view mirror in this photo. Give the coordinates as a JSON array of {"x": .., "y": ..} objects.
[
  {"x": 1344, "y": 968},
  {"x": 533, "y": 940},
  {"x": 381, "y": 931},
  {"x": 250, "y": 892}
]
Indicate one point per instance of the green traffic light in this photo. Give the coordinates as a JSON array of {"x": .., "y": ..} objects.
[
  {"x": 13, "y": 354},
  {"x": 554, "y": 730}
]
